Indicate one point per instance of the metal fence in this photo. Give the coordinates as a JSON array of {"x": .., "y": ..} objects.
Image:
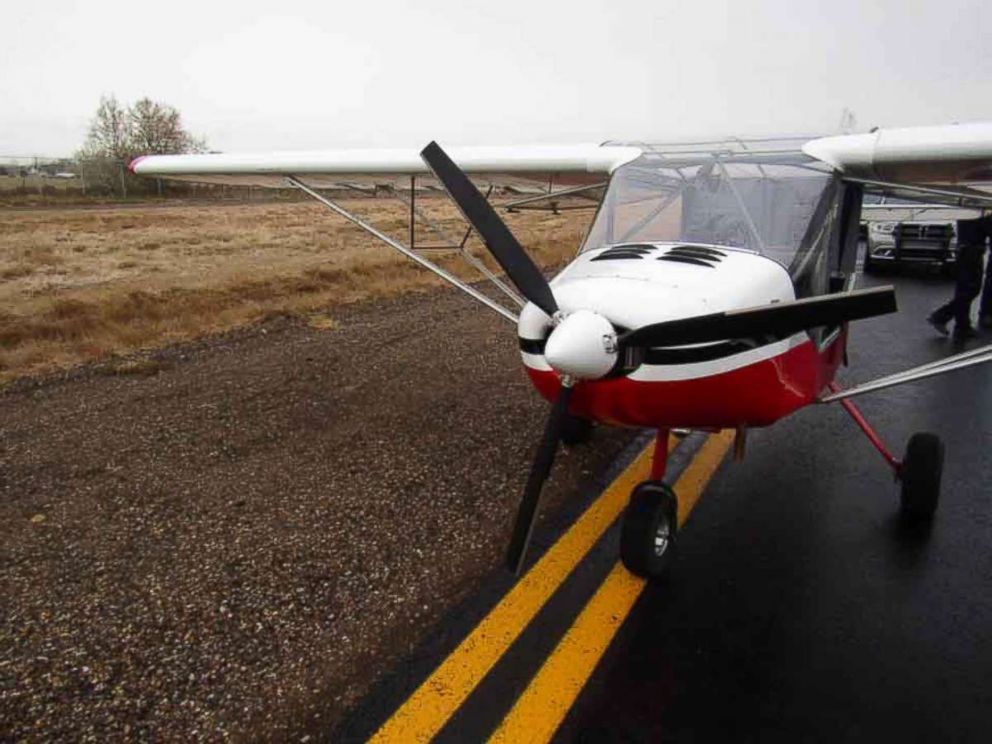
[{"x": 47, "y": 176}]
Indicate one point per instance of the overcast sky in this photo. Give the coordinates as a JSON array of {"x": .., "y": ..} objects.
[{"x": 293, "y": 74}]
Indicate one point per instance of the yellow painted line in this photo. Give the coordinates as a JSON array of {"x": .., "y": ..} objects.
[
  {"x": 441, "y": 694},
  {"x": 697, "y": 475},
  {"x": 539, "y": 711}
]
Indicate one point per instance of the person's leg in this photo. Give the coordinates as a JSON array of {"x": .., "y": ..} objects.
[
  {"x": 985, "y": 308},
  {"x": 968, "y": 286},
  {"x": 944, "y": 313},
  {"x": 947, "y": 312},
  {"x": 958, "y": 309}
]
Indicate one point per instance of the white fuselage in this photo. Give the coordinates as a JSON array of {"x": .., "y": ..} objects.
[{"x": 664, "y": 281}]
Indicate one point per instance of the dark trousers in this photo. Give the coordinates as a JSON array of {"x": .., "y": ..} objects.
[
  {"x": 966, "y": 288},
  {"x": 985, "y": 310}
]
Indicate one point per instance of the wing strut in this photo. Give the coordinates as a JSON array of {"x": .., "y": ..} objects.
[
  {"x": 406, "y": 251},
  {"x": 963, "y": 197},
  {"x": 449, "y": 243},
  {"x": 951, "y": 363}
]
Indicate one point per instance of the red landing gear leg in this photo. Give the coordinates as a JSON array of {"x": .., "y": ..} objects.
[
  {"x": 873, "y": 437},
  {"x": 920, "y": 470},
  {"x": 659, "y": 460}
]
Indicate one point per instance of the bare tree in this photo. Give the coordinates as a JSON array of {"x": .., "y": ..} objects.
[
  {"x": 109, "y": 133},
  {"x": 156, "y": 128},
  {"x": 117, "y": 134}
]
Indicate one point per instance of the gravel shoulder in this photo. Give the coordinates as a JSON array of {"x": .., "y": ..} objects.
[{"x": 231, "y": 538}]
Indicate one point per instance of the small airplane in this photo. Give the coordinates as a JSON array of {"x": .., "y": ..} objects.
[{"x": 713, "y": 290}]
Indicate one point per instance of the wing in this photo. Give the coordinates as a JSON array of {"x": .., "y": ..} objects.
[
  {"x": 519, "y": 166},
  {"x": 950, "y": 164},
  {"x": 548, "y": 171}
]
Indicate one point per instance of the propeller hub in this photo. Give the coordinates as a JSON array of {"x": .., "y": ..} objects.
[{"x": 582, "y": 345}]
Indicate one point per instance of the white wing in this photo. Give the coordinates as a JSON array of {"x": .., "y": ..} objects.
[
  {"x": 566, "y": 165},
  {"x": 951, "y": 154}
]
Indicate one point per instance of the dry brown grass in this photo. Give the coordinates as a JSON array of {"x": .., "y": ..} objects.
[{"x": 81, "y": 284}]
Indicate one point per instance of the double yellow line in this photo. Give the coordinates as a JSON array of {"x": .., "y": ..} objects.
[
  {"x": 550, "y": 695},
  {"x": 540, "y": 710}
]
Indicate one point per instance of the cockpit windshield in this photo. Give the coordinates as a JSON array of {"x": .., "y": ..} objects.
[{"x": 762, "y": 204}]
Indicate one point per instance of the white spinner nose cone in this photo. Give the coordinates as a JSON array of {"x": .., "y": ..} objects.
[{"x": 583, "y": 345}]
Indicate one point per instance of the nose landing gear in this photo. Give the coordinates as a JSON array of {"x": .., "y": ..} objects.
[
  {"x": 649, "y": 530},
  {"x": 650, "y": 523}
]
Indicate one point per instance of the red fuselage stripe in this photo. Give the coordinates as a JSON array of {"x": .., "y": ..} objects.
[{"x": 754, "y": 395}]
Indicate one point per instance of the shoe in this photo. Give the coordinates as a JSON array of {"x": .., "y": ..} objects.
[
  {"x": 939, "y": 325},
  {"x": 985, "y": 321},
  {"x": 964, "y": 333}
]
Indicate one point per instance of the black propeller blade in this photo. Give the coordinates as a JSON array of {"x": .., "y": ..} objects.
[
  {"x": 532, "y": 285},
  {"x": 524, "y": 525},
  {"x": 494, "y": 232},
  {"x": 782, "y": 319}
]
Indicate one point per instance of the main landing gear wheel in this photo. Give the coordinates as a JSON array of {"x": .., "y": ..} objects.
[
  {"x": 575, "y": 430},
  {"x": 649, "y": 530},
  {"x": 922, "y": 467}
]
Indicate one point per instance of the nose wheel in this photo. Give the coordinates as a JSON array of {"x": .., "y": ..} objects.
[{"x": 649, "y": 530}]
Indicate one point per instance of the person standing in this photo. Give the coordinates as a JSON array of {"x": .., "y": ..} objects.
[
  {"x": 985, "y": 306},
  {"x": 972, "y": 236}
]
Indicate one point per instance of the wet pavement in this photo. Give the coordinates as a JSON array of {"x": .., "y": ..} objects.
[{"x": 801, "y": 608}]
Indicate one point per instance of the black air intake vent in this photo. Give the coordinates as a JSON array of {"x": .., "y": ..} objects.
[
  {"x": 694, "y": 255},
  {"x": 625, "y": 251},
  {"x": 687, "y": 260}
]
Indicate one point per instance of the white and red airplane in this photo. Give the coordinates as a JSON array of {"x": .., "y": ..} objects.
[{"x": 713, "y": 290}]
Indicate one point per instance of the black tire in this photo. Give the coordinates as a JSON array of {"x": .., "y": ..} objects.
[
  {"x": 869, "y": 266},
  {"x": 575, "y": 430},
  {"x": 922, "y": 467},
  {"x": 649, "y": 531}
]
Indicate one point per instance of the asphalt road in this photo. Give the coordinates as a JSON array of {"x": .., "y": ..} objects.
[{"x": 801, "y": 609}]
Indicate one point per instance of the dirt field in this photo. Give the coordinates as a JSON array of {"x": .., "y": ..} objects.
[
  {"x": 78, "y": 285},
  {"x": 238, "y": 543},
  {"x": 230, "y": 537}
]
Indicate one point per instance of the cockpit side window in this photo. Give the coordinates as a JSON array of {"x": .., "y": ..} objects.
[{"x": 810, "y": 265}]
